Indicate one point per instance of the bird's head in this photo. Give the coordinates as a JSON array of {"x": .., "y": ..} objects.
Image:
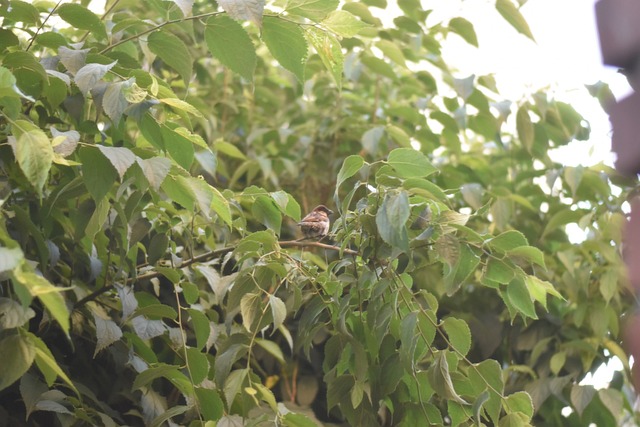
[{"x": 323, "y": 208}]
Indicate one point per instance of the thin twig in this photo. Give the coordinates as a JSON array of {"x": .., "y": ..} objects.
[{"x": 289, "y": 243}]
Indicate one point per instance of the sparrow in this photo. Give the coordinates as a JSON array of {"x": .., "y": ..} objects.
[{"x": 316, "y": 223}]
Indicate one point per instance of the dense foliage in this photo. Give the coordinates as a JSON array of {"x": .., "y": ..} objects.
[{"x": 155, "y": 159}]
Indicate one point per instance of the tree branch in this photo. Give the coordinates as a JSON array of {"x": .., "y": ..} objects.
[{"x": 207, "y": 256}]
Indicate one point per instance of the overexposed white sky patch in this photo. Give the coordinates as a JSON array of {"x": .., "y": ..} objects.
[{"x": 564, "y": 57}]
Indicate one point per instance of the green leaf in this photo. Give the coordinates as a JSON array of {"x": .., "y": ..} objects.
[
  {"x": 20, "y": 60},
  {"x": 287, "y": 44},
  {"x": 292, "y": 419},
  {"x": 524, "y": 127},
  {"x": 528, "y": 253},
  {"x": 466, "y": 263},
  {"x": 392, "y": 51},
  {"x": 499, "y": 271},
  {"x": 464, "y": 29},
  {"x": 90, "y": 75},
  {"x": 13, "y": 314},
  {"x": 81, "y": 17},
  {"x": 98, "y": 172},
  {"x": 379, "y": 66},
  {"x": 210, "y": 404},
  {"x": 520, "y": 298},
  {"x": 316, "y": 10},
  {"x": 343, "y": 23},
  {"x": 155, "y": 170},
  {"x": 114, "y": 101},
  {"x": 230, "y": 43},
  {"x": 573, "y": 177},
  {"x": 266, "y": 212},
  {"x": 20, "y": 11},
  {"x": 121, "y": 158},
  {"x": 221, "y": 207},
  {"x": 561, "y": 218},
  {"x": 507, "y": 241},
  {"x": 48, "y": 294},
  {"x": 512, "y": 15},
  {"x": 581, "y": 397},
  {"x": 170, "y": 372},
  {"x": 156, "y": 311},
  {"x": 180, "y": 105},
  {"x": 201, "y": 327},
  {"x": 173, "y": 52},
  {"x": 198, "y": 365},
  {"x": 278, "y": 311},
  {"x": 107, "y": 332},
  {"x": 459, "y": 334},
  {"x": 242, "y": 10},
  {"x": 34, "y": 155},
  {"x": 250, "y": 310},
  {"x": 272, "y": 348},
  {"x": 350, "y": 166},
  {"x": 520, "y": 401},
  {"x": 224, "y": 147},
  {"x": 399, "y": 136},
  {"x": 410, "y": 163},
  {"x": 180, "y": 191},
  {"x": 17, "y": 353},
  {"x": 330, "y": 51},
  {"x": 7, "y": 84},
  {"x": 440, "y": 379},
  {"x": 179, "y": 147},
  {"x": 391, "y": 220},
  {"x": 48, "y": 365}
]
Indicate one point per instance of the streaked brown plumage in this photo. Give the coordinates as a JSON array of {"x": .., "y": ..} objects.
[{"x": 316, "y": 223}]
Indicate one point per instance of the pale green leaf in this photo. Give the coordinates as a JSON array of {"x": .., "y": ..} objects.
[
  {"x": 343, "y": 23},
  {"x": 34, "y": 155},
  {"x": 350, "y": 166},
  {"x": 410, "y": 163},
  {"x": 287, "y": 44},
  {"x": 230, "y": 43},
  {"x": 315, "y": 10},
  {"x": 459, "y": 334},
  {"x": 464, "y": 29},
  {"x": 512, "y": 15}
]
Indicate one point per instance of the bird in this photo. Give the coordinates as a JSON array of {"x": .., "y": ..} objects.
[{"x": 316, "y": 223}]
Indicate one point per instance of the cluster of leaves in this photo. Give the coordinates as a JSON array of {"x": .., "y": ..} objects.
[{"x": 153, "y": 171}]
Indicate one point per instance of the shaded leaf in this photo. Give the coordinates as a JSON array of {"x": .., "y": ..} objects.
[
  {"x": 107, "y": 332},
  {"x": 81, "y": 17},
  {"x": 173, "y": 51},
  {"x": 90, "y": 75},
  {"x": 17, "y": 353}
]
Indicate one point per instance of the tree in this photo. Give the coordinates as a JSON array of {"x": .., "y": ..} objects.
[{"x": 156, "y": 158}]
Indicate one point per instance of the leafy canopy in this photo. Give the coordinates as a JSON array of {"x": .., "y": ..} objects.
[{"x": 156, "y": 156}]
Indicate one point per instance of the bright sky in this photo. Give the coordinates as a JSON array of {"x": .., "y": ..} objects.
[{"x": 565, "y": 57}]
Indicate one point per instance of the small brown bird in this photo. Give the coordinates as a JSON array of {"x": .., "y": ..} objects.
[{"x": 316, "y": 223}]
